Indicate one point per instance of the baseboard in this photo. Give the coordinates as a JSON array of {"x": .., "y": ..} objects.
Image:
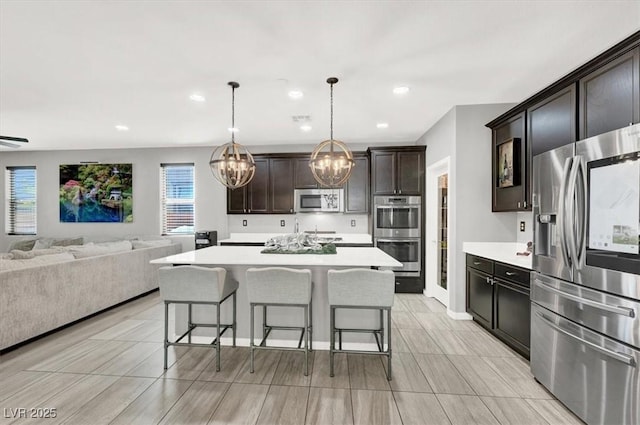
[{"x": 459, "y": 316}]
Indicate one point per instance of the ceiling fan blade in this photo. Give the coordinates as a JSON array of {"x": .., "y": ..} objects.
[
  {"x": 9, "y": 145},
  {"x": 14, "y": 139}
]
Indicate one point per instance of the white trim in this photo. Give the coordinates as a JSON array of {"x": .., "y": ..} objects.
[
  {"x": 459, "y": 316},
  {"x": 432, "y": 289}
]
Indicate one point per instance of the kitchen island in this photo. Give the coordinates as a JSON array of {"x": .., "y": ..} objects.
[{"x": 237, "y": 259}]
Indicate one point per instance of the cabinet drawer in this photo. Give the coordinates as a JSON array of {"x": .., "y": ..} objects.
[
  {"x": 480, "y": 263},
  {"x": 513, "y": 274}
]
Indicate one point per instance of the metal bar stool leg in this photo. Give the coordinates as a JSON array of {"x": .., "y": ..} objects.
[
  {"x": 218, "y": 337},
  {"x": 332, "y": 338},
  {"x": 166, "y": 332},
  {"x": 389, "y": 343},
  {"x": 311, "y": 325},
  {"x": 235, "y": 326},
  {"x": 190, "y": 325},
  {"x": 306, "y": 341},
  {"x": 251, "y": 326}
]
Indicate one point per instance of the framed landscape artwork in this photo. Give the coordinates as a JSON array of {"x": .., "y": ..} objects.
[
  {"x": 508, "y": 170},
  {"x": 96, "y": 193}
]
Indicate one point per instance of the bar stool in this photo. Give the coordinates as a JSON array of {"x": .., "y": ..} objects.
[
  {"x": 282, "y": 287},
  {"x": 360, "y": 289},
  {"x": 197, "y": 285}
]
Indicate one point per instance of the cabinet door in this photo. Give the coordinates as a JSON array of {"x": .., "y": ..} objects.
[
  {"x": 281, "y": 175},
  {"x": 512, "y": 315},
  {"x": 303, "y": 176},
  {"x": 480, "y": 297},
  {"x": 237, "y": 200},
  {"x": 610, "y": 96},
  {"x": 356, "y": 190},
  {"x": 551, "y": 123},
  {"x": 258, "y": 188},
  {"x": 383, "y": 173},
  {"x": 410, "y": 172},
  {"x": 515, "y": 196}
]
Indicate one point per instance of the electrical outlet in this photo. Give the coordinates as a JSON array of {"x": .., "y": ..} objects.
[
  {"x": 244, "y": 223},
  {"x": 522, "y": 226},
  {"x": 353, "y": 223},
  {"x": 281, "y": 223}
]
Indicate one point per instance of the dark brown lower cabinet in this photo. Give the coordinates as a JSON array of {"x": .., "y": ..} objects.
[{"x": 498, "y": 299}]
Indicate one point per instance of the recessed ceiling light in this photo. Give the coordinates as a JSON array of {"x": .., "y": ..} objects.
[
  {"x": 121, "y": 127},
  {"x": 233, "y": 129},
  {"x": 295, "y": 94},
  {"x": 306, "y": 128},
  {"x": 197, "y": 97},
  {"x": 401, "y": 90},
  {"x": 382, "y": 125}
]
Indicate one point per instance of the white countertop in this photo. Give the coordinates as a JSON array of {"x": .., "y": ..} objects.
[
  {"x": 505, "y": 252},
  {"x": 251, "y": 256},
  {"x": 347, "y": 238}
]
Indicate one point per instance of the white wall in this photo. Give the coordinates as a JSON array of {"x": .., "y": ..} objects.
[
  {"x": 210, "y": 211},
  {"x": 461, "y": 135}
]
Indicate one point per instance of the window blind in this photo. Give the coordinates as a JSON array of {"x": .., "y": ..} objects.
[
  {"x": 21, "y": 201},
  {"x": 177, "y": 198}
]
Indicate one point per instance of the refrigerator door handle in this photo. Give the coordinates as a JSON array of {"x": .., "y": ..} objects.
[
  {"x": 561, "y": 218},
  {"x": 581, "y": 209},
  {"x": 572, "y": 220},
  {"x": 613, "y": 354},
  {"x": 622, "y": 311}
]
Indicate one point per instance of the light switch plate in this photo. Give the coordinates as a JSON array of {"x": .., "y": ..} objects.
[
  {"x": 522, "y": 226},
  {"x": 353, "y": 223},
  {"x": 244, "y": 223},
  {"x": 281, "y": 223}
]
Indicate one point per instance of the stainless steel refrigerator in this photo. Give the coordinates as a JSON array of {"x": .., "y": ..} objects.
[{"x": 585, "y": 291}]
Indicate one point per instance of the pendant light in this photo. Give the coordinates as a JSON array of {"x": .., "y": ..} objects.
[
  {"x": 232, "y": 164},
  {"x": 331, "y": 161}
]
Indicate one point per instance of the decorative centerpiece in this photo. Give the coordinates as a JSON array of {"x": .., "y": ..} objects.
[{"x": 297, "y": 243}]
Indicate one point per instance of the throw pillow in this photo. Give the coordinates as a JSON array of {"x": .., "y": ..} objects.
[
  {"x": 150, "y": 243},
  {"x": 68, "y": 241},
  {"x": 23, "y": 245},
  {"x": 21, "y": 255},
  {"x": 43, "y": 243}
]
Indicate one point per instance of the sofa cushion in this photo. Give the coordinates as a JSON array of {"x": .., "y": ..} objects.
[
  {"x": 93, "y": 249},
  {"x": 118, "y": 246},
  {"x": 6, "y": 256},
  {"x": 6, "y": 265},
  {"x": 150, "y": 243}
]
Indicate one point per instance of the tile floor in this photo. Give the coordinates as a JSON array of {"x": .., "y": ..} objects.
[{"x": 108, "y": 370}]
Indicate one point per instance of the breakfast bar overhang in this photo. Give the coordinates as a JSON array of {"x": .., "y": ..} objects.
[{"x": 237, "y": 259}]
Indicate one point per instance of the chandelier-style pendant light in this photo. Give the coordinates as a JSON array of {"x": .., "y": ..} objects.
[
  {"x": 331, "y": 161},
  {"x": 231, "y": 163}
]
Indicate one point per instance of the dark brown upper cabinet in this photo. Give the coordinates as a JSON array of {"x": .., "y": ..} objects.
[
  {"x": 303, "y": 176},
  {"x": 511, "y": 166},
  {"x": 610, "y": 95},
  {"x": 356, "y": 189},
  {"x": 281, "y": 185},
  {"x": 551, "y": 123},
  {"x": 397, "y": 171},
  {"x": 269, "y": 192}
]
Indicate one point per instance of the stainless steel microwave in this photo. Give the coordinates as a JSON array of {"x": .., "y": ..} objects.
[{"x": 319, "y": 200}]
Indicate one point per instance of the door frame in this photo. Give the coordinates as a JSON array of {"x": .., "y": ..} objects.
[{"x": 432, "y": 289}]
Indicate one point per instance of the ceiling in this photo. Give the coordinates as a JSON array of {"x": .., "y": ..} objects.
[{"x": 70, "y": 71}]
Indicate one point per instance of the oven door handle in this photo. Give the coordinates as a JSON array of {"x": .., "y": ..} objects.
[
  {"x": 621, "y": 357},
  {"x": 398, "y": 240}
]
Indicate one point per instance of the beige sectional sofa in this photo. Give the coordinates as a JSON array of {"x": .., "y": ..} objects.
[{"x": 43, "y": 293}]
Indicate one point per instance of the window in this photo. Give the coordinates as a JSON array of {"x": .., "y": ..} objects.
[
  {"x": 21, "y": 201},
  {"x": 177, "y": 199}
]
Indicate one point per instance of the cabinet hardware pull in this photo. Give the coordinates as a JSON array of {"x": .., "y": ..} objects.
[
  {"x": 518, "y": 204},
  {"x": 525, "y": 204},
  {"x": 511, "y": 273},
  {"x": 475, "y": 263}
]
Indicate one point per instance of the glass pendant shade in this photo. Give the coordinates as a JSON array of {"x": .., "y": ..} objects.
[
  {"x": 331, "y": 161},
  {"x": 232, "y": 164}
]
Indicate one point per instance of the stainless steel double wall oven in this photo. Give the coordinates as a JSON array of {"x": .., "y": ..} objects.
[
  {"x": 585, "y": 292},
  {"x": 396, "y": 231}
]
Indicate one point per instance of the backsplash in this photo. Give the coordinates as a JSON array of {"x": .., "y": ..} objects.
[
  {"x": 270, "y": 223},
  {"x": 527, "y": 218}
]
